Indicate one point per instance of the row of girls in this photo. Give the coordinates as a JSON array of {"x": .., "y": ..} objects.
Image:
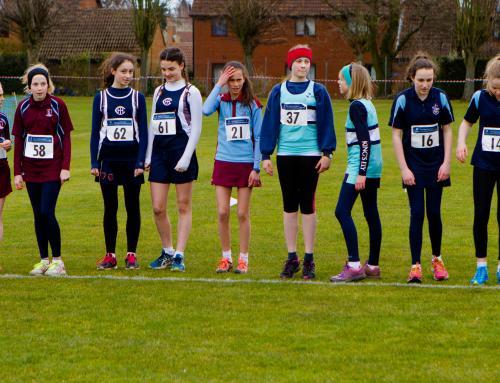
[{"x": 297, "y": 123}]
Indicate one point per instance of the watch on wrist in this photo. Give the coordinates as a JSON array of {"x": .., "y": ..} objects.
[{"x": 329, "y": 155}]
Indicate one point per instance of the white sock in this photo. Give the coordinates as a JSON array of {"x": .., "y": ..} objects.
[
  {"x": 169, "y": 250},
  {"x": 181, "y": 253},
  {"x": 498, "y": 267},
  {"x": 244, "y": 257},
  {"x": 481, "y": 262},
  {"x": 438, "y": 257},
  {"x": 354, "y": 265},
  {"x": 46, "y": 261},
  {"x": 371, "y": 267},
  {"x": 227, "y": 255}
]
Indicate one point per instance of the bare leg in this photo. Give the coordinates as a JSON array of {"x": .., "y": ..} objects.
[
  {"x": 159, "y": 196},
  {"x": 184, "y": 206}
]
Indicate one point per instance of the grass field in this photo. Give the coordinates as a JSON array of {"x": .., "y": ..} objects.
[{"x": 196, "y": 327}]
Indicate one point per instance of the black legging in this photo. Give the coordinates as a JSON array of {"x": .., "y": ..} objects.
[
  {"x": 110, "y": 196},
  {"x": 43, "y": 197},
  {"x": 298, "y": 180},
  {"x": 418, "y": 209},
  {"x": 347, "y": 198},
  {"x": 484, "y": 182}
]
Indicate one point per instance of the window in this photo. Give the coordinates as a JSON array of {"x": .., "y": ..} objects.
[
  {"x": 216, "y": 72},
  {"x": 219, "y": 27},
  {"x": 305, "y": 27}
]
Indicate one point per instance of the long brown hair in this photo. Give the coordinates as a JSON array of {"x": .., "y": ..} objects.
[
  {"x": 175, "y": 54},
  {"x": 247, "y": 93},
  {"x": 112, "y": 63},
  {"x": 420, "y": 61}
]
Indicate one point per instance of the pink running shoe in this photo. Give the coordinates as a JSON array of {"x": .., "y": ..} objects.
[
  {"x": 438, "y": 270},
  {"x": 349, "y": 274}
]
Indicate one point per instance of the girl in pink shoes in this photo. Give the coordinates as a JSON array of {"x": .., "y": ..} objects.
[
  {"x": 237, "y": 160},
  {"x": 118, "y": 145},
  {"x": 362, "y": 177},
  {"x": 42, "y": 154}
]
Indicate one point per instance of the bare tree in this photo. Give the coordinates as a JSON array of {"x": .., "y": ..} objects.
[
  {"x": 474, "y": 27},
  {"x": 383, "y": 22},
  {"x": 34, "y": 19},
  {"x": 252, "y": 21},
  {"x": 148, "y": 16}
]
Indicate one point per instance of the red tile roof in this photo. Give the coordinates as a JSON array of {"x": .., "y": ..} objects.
[
  {"x": 290, "y": 8},
  {"x": 93, "y": 31}
]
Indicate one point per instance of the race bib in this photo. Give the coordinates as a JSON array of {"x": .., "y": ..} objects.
[
  {"x": 39, "y": 147},
  {"x": 293, "y": 114},
  {"x": 3, "y": 152},
  {"x": 424, "y": 136},
  {"x": 164, "y": 124},
  {"x": 237, "y": 128},
  {"x": 491, "y": 139},
  {"x": 120, "y": 129}
]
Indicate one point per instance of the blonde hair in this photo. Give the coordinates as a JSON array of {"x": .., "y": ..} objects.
[
  {"x": 492, "y": 71},
  {"x": 24, "y": 78},
  {"x": 362, "y": 85},
  {"x": 299, "y": 46}
]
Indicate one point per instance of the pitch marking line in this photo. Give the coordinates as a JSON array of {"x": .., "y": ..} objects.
[{"x": 255, "y": 281}]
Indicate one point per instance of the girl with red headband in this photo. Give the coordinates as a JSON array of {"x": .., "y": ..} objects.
[
  {"x": 42, "y": 154},
  {"x": 299, "y": 120}
]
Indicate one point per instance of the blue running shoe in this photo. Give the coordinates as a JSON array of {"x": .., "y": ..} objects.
[
  {"x": 162, "y": 262},
  {"x": 498, "y": 277},
  {"x": 480, "y": 277},
  {"x": 178, "y": 263}
]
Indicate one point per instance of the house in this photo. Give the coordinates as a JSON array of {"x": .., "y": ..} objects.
[
  {"x": 180, "y": 31},
  {"x": 311, "y": 22}
]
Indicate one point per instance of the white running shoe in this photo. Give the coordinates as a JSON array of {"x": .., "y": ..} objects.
[
  {"x": 40, "y": 268},
  {"x": 56, "y": 269}
]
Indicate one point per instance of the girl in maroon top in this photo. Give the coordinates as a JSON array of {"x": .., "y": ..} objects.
[
  {"x": 5, "y": 144},
  {"x": 42, "y": 154}
]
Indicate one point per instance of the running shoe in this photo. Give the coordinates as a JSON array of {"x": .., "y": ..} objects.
[
  {"x": 107, "y": 263},
  {"x": 178, "y": 263},
  {"x": 225, "y": 266},
  {"x": 291, "y": 267},
  {"x": 56, "y": 269},
  {"x": 481, "y": 276},
  {"x": 40, "y": 268},
  {"x": 308, "y": 270},
  {"x": 349, "y": 274},
  {"x": 162, "y": 262},
  {"x": 372, "y": 272},
  {"x": 415, "y": 275},
  {"x": 131, "y": 261},
  {"x": 498, "y": 277},
  {"x": 242, "y": 267},
  {"x": 438, "y": 270}
]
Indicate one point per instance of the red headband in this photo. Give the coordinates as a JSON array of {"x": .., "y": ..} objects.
[{"x": 298, "y": 53}]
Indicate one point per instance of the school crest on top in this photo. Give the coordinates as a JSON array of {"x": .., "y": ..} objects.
[
  {"x": 120, "y": 110},
  {"x": 309, "y": 95},
  {"x": 167, "y": 101},
  {"x": 435, "y": 109},
  {"x": 49, "y": 113}
]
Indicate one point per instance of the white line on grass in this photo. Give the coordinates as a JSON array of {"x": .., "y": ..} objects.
[{"x": 257, "y": 281}]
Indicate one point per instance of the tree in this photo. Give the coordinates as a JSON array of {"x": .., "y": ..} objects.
[
  {"x": 148, "y": 15},
  {"x": 34, "y": 19},
  {"x": 383, "y": 20},
  {"x": 474, "y": 26},
  {"x": 252, "y": 22}
]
